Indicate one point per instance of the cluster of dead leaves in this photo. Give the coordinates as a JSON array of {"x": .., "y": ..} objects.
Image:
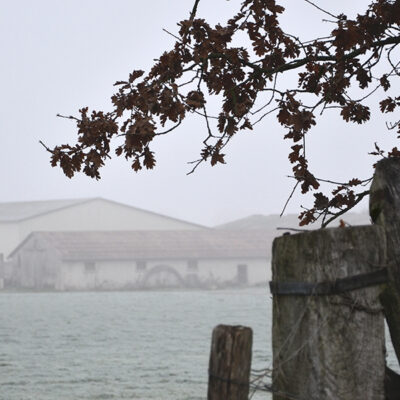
[{"x": 204, "y": 63}]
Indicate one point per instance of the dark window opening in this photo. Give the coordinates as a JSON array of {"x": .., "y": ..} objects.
[
  {"x": 192, "y": 266},
  {"x": 90, "y": 266},
  {"x": 141, "y": 265},
  {"x": 242, "y": 274}
]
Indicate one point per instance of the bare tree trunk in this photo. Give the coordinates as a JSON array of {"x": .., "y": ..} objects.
[
  {"x": 230, "y": 363},
  {"x": 384, "y": 206},
  {"x": 328, "y": 346}
]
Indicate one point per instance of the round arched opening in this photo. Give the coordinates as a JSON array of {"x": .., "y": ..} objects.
[{"x": 162, "y": 277}]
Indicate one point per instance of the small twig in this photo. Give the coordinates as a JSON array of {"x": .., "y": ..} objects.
[
  {"x": 290, "y": 196},
  {"x": 321, "y": 9},
  {"x": 170, "y": 33},
  {"x": 177, "y": 38},
  {"x": 190, "y": 81},
  {"x": 392, "y": 125},
  {"x": 194, "y": 10},
  {"x": 47, "y": 148},
  {"x": 68, "y": 117},
  {"x": 196, "y": 164},
  {"x": 281, "y": 228},
  {"x": 264, "y": 115},
  {"x": 208, "y": 116},
  {"x": 168, "y": 130},
  {"x": 364, "y": 181},
  {"x": 274, "y": 91}
]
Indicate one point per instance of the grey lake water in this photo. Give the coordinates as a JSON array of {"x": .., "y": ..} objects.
[{"x": 122, "y": 345}]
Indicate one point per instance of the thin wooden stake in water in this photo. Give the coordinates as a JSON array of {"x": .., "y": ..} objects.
[{"x": 230, "y": 363}]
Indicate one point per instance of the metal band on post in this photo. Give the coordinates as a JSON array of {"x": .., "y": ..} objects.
[{"x": 330, "y": 287}]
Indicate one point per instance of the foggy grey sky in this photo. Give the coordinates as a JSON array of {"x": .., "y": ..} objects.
[{"x": 60, "y": 56}]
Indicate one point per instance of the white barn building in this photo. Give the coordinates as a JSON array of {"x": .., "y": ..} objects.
[{"x": 140, "y": 260}]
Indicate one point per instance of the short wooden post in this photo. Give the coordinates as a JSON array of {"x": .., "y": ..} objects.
[
  {"x": 328, "y": 337},
  {"x": 384, "y": 206},
  {"x": 230, "y": 363}
]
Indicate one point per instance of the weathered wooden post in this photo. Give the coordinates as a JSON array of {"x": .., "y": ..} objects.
[
  {"x": 328, "y": 328},
  {"x": 385, "y": 211},
  {"x": 230, "y": 363},
  {"x": 2, "y": 271}
]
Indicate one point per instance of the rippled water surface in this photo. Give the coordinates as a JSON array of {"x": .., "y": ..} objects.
[{"x": 120, "y": 345}]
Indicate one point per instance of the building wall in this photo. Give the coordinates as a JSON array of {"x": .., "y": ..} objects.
[
  {"x": 35, "y": 266},
  {"x": 38, "y": 265},
  {"x": 81, "y": 275},
  {"x": 258, "y": 270},
  {"x": 131, "y": 275},
  {"x": 94, "y": 215},
  {"x": 9, "y": 237}
]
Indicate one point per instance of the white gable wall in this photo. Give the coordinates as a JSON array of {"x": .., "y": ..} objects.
[
  {"x": 9, "y": 237},
  {"x": 102, "y": 215}
]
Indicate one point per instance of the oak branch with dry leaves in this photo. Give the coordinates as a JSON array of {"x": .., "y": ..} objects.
[{"x": 246, "y": 80}]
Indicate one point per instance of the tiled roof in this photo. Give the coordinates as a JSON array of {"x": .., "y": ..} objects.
[
  {"x": 119, "y": 245},
  {"x": 259, "y": 221},
  {"x": 271, "y": 222}
]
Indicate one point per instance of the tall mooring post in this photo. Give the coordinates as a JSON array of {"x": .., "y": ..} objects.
[
  {"x": 328, "y": 326},
  {"x": 385, "y": 211}
]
